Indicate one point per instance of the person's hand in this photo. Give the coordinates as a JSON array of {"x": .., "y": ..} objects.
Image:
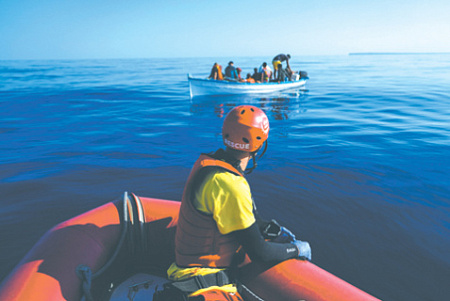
[
  {"x": 284, "y": 236},
  {"x": 304, "y": 250}
]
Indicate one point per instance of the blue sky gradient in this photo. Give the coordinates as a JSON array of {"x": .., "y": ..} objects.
[{"x": 89, "y": 29}]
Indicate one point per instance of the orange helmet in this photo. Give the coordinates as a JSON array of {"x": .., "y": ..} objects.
[{"x": 245, "y": 128}]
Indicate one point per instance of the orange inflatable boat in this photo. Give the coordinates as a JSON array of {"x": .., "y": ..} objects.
[{"x": 121, "y": 251}]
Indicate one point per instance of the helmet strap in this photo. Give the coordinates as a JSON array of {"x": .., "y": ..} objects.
[
  {"x": 264, "y": 150},
  {"x": 253, "y": 154},
  {"x": 250, "y": 169}
]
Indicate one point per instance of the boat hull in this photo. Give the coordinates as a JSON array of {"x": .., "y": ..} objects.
[
  {"x": 201, "y": 87},
  {"x": 49, "y": 270}
]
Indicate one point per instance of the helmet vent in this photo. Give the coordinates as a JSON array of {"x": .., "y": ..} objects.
[
  {"x": 245, "y": 140},
  {"x": 252, "y": 110},
  {"x": 259, "y": 138},
  {"x": 242, "y": 112}
]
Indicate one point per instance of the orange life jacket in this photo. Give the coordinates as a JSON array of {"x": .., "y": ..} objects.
[
  {"x": 198, "y": 241},
  {"x": 219, "y": 75}
]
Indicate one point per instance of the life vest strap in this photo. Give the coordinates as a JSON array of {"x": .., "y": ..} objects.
[{"x": 202, "y": 281}]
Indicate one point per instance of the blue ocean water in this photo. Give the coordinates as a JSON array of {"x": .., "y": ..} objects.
[{"x": 358, "y": 163}]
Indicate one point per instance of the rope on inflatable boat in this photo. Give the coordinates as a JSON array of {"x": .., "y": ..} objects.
[
  {"x": 256, "y": 297},
  {"x": 85, "y": 273}
]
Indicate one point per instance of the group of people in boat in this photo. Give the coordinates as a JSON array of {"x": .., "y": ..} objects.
[{"x": 263, "y": 74}]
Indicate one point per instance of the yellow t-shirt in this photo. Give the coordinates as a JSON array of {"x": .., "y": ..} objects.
[{"x": 228, "y": 199}]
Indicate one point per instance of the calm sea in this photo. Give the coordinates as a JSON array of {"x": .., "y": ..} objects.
[{"x": 358, "y": 163}]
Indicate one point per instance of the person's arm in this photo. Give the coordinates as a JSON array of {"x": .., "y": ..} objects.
[
  {"x": 260, "y": 222},
  {"x": 234, "y": 212},
  {"x": 259, "y": 249}
]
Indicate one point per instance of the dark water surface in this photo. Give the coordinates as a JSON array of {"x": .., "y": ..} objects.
[{"x": 358, "y": 165}]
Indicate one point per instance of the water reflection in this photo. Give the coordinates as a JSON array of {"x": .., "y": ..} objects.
[{"x": 284, "y": 106}]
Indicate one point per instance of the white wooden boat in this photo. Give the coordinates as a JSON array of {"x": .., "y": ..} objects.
[{"x": 204, "y": 86}]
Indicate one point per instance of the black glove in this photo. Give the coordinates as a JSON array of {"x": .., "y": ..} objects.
[{"x": 277, "y": 233}]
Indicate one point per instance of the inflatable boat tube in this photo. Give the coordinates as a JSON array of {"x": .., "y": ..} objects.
[{"x": 92, "y": 254}]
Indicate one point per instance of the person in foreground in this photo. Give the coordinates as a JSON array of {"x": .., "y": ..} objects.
[{"x": 218, "y": 217}]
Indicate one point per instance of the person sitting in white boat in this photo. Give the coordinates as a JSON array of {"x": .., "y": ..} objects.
[
  {"x": 282, "y": 75},
  {"x": 266, "y": 73},
  {"x": 250, "y": 79},
  {"x": 230, "y": 72},
  {"x": 216, "y": 72},
  {"x": 218, "y": 220},
  {"x": 239, "y": 71},
  {"x": 277, "y": 60},
  {"x": 256, "y": 75}
]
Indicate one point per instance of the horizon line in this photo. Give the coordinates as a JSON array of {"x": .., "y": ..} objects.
[
  {"x": 219, "y": 56},
  {"x": 396, "y": 53}
]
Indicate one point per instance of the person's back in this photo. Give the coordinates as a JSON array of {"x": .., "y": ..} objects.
[
  {"x": 256, "y": 75},
  {"x": 281, "y": 57},
  {"x": 250, "y": 79},
  {"x": 282, "y": 74},
  {"x": 217, "y": 214},
  {"x": 219, "y": 72},
  {"x": 266, "y": 72},
  {"x": 230, "y": 71},
  {"x": 239, "y": 71},
  {"x": 216, "y": 72},
  {"x": 277, "y": 60}
]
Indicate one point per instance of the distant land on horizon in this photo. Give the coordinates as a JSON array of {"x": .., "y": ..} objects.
[{"x": 395, "y": 53}]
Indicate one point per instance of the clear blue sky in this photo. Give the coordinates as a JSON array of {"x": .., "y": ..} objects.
[{"x": 77, "y": 29}]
